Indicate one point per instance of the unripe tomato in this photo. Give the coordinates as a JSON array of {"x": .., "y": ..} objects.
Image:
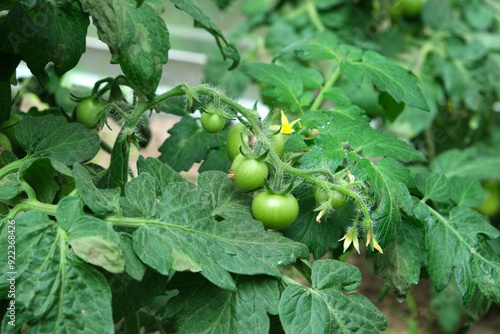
[
  {"x": 338, "y": 201},
  {"x": 491, "y": 203},
  {"x": 212, "y": 122},
  {"x": 233, "y": 140},
  {"x": 9, "y": 128},
  {"x": 412, "y": 8},
  {"x": 89, "y": 111},
  {"x": 277, "y": 141},
  {"x": 249, "y": 173},
  {"x": 275, "y": 211},
  {"x": 4, "y": 143}
]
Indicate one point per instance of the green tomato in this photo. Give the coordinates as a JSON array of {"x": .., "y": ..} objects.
[
  {"x": 233, "y": 140},
  {"x": 249, "y": 174},
  {"x": 275, "y": 211},
  {"x": 212, "y": 122},
  {"x": 89, "y": 112},
  {"x": 9, "y": 128},
  {"x": 338, "y": 201},
  {"x": 491, "y": 204},
  {"x": 5, "y": 144},
  {"x": 412, "y": 8},
  {"x": 277, "y": 142}
]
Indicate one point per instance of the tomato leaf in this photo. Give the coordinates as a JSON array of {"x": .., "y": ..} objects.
[
  {"x": 201, "y": 19},
  {"x": 64, "y": 25},
  {"x": 466, "y": 191},
  {"x": 182, "y": 236},
  {"x": 282, "y": 85},
  {"x": 402, "y": 260},
  {"x": 389, "y": 182},
  {"x": 464, "y": 231},
  {"x": 434, "y": 186},
  {"x": 188, "y": 143},
  {"x": 101, "y": 201},
  {"x": 401, "y": 84},
  {"x": 141, "y": 193},
  {"x": 10, "y": 186},
  {"x": 52, "y": 283},
  {"x": 324, "y": 308},
  {"x": 133, "y": 265},
  {"x": 226, "y": 199},
  {"x": 137, "y": 38},
  {"x": 69, "y": 209},
  {"x": 162, "y": 173},
  {"x": 95, "y": 242},
  {"x": 327, "y": 151},
  {"x": 52, "y": 137},
  {"x": 467, "y": 163},
  {"x": 41, "y": 177},
  {"x": 217, "y": 310}
]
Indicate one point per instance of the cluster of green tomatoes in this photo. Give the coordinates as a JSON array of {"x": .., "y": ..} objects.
[{"x": 276, "y": 210}]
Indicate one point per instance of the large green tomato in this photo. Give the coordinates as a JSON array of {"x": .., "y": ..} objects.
[
  {"x": 491, "y": 204},
  {"x": 412, "y": 8},
  {"x": 275, "y": 211},
  {"x": 89, "y": 111},
  {"x": 212, "y": 122},
  {"x": 233, "y": 140},
  {"x": 249, "y": 174}
]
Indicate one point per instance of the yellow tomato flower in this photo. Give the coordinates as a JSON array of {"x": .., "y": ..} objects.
[
  {"x": 286, "y": 127},
  {"x": 351, "y": 237}
]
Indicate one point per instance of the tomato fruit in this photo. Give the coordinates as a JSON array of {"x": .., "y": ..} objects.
[
  {"x": 233, "y": 140},
  {"x": 212, "y": 122},
  {"x": 491, "y": 203},
  {"x": 412, "y": 8},
  {"x": 9, "y": 128},
  {"x": 338, "y": 201},
  {"x": 5, "y": 143},
  {"x": 277, "y": 141},
  {"x": 89, "y": 111},
  {"x": 249, "y": 173},
  {"x": 275, "y": 211}
]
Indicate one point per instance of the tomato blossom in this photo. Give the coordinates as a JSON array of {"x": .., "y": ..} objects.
[
  {"x": 351, "y": 237},
  {"x": 286, "y": 127}
]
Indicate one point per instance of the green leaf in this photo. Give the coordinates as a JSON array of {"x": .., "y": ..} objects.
[
  {"x": 227, "y": 200},
  {"x": 52, "y": 137},
  {"x": 467, "y": 163},
  {"x": 130, "y": 295},
  {"x": 326, "y": 152},
  {"x": 162, "y": 173},
  {"x": 5, "y": 100},
  {"x": 10, "y": 186},
  {"x": 184, "y": 237},
  {"x": 137, "y": 38},
  {"x": 389, "y": 77},
  {"x": 466, "y": 191},
  {"x": 374, "y": 144},
  {"x": 141, "y": 193},
  {"x": 21, "y": 40},
  {"x": 402, "y": 260},
  {"x": 188, "y": 143},
  {"x": 479, "y": 15},
  {"x": 68, "y": 210},
  {"x": 391, "y": 108},
  {"x": 281, "y": 85},
  {"x": 389, "y": 182},
  {"x": 94, "y": 241},
  {"x": 64, "y": 25},
  {"x": 320, "y": 46},
  {"x": 474, "y": 266},
  {"x": 101, "y": 201},
  {"x": 324, "y": 308},
  {"x": 202, "y": 20},
  {"x": 221, "y": 311},
  {"x": 434, "y": 186},
  {"x": 437, "y": 15},
  {"x": 41, "y": 177},
  {"x": 133, "y": 265},
  {"x": 55, "y": 291},
  {"x": 294, "y": 143}
]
